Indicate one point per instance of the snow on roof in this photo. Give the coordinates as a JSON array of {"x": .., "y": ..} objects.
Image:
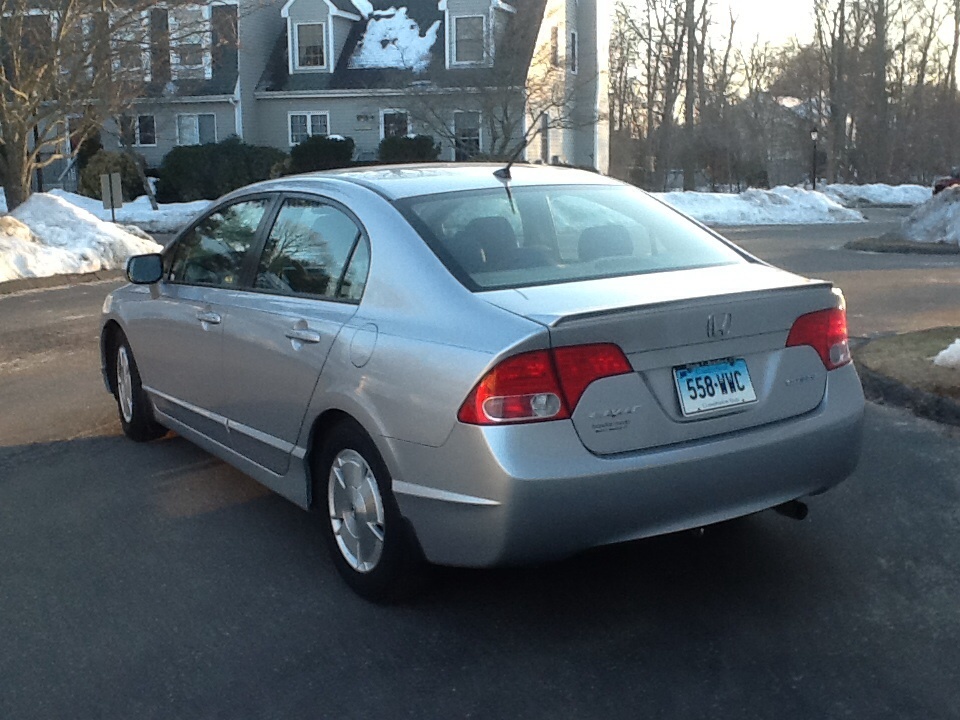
[
  {"x": 47, "y": 235},
  {"x": 392, "y": 40},
  {"x": 364, "y": 7},
  {"x": 937, "y": 220}
]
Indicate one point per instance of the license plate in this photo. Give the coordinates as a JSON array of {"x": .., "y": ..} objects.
[{"x": 713, "y": 385}]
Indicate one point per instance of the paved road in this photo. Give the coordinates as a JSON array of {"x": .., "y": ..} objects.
[
  {"x": 885, "y": 292},
  {"x": 151, "y": 581}
]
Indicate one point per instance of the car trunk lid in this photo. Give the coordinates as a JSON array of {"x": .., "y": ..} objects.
[{"x": 727, "y": 323}]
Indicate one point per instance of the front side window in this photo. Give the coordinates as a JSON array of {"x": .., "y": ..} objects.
[
  {"x": 307, "y": 124},
  {"x": 196, "y": 129},
  {"x": 310, "y": 48},
  {"x": 396, "y": 123},
  {"x": 466, "y": 130},
  {"x": 212, "y": 253},
  {"x": 468, "y": 41},
  {"x": 556, "y": 234},
  {"x": 313, "y": 249}
]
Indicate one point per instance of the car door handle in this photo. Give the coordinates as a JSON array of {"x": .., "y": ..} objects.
[
  {"x": 211, "y": 318},
  {"x": 304, "y": 336}
]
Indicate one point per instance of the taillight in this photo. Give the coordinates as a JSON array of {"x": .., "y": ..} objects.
[
  {"x": 540, "y": 385},
  {"x": 826, "y": 332}
]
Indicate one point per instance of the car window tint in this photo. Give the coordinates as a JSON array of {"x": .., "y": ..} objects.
[
  {"x": 573, "y": 215},
  {"x": 307, "y": 249},
  {"x": 571, "y": 233},
  {"x": 355, "y": 278},
  {"x": 212, "y": 253}
]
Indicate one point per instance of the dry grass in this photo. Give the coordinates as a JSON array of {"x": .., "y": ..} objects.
[{"x": 908, "y": 359}]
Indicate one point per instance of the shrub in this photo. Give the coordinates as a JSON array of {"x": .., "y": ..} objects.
[
  {"x": 88, "y": 148},
  {"x": 105, "y": 162},
  {"x": 205, "y": 172},
  {"x": 419, "y": 148},
  {"x": 320, "y": 152}
]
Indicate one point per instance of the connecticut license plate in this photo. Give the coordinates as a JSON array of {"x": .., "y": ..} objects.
[{"x": 713, "y": 385}]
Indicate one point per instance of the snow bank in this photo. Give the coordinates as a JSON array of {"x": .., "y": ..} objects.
[
  {"x": 168, "y": 219},
  {"x": 937, "y": 220},
  {"x": 878, "y": 194},
  {"x": 950, "y": 357},
  {"x": 780, "y": 206},
  {"x": 47, "y": 235},
  {"x": 393, "y": 40}
]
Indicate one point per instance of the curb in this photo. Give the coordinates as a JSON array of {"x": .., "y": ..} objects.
[
  {"x": 887, "y": 391},
  {"x": 55, "y": 281}
]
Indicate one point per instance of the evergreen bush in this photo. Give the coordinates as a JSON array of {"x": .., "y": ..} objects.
[
  {"x": 404, "y": 148},
  {"x": 205, "y": 172},
  {"x": 105, "y": 162},
  {"x": 321, "y": 152}
]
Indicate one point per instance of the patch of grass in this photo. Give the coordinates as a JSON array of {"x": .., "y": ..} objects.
[
  {"x": 908, "y": 359},
  {"x": 893, "y": 244}
]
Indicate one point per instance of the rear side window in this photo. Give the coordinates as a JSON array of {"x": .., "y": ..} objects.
[
  {"x": 212, "y": 253},
  {"x": 313, "y": 249},
  {"x": 555, "y": 234}
]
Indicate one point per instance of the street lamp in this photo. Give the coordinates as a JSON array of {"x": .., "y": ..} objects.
[{"x": 813, "y": 175}]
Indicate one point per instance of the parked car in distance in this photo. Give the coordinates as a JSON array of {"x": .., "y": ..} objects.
[
  {"x": 477, "y": 365},
  {"x": 942, "y": 183}
]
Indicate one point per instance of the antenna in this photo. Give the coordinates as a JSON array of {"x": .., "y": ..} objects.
[{"x": 504, "y": 172}]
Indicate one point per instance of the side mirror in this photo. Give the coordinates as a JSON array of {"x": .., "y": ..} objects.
[{"x": 145, "y": 269}]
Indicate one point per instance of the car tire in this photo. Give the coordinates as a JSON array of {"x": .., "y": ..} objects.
[
  {"x": 133, "y": 406},
  {"x": 370, "y": 543}
]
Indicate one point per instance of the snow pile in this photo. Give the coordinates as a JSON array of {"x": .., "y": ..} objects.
[
  {"x": 937, "y": 220},
  {"x": 393, "y": 40},
  {"x": 780, "y": 206},
  {"x": 950, "y": 357},
  {"x": 47, "y": 235},
  {"x": 878, "y": 194},
  {"x": 168, "y": 219}
]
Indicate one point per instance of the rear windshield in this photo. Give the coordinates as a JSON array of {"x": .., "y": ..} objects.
[{"x": 491, "y": 239}]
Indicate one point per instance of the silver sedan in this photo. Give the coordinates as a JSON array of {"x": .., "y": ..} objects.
[{"x": 478, "y": 365}]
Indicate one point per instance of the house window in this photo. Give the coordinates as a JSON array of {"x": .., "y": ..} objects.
[
  {"x": 138, "y": 131},
  {"x": 468, "y": 45},
  {"x": 308, "y": 124},
  {"x": 310, "y": 52},
  {"x": 394, "y": 123},
  {"x": 466, "y": 131},
  {"x": 197, "y": 129},
  {"x": 555, "y": 46},
  {"x": 572, "y": 52},
  {"x": 189, "y": 30}
]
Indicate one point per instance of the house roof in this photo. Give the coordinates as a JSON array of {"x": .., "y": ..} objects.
[{"x": 401, "y": 44}]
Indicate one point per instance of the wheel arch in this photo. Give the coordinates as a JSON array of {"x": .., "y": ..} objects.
[{"x": 109, "y": 336}]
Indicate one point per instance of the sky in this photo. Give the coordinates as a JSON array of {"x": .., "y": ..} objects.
[{"x": 774, "y": 22}]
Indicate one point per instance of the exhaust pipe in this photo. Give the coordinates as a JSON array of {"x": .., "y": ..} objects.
[{"x": 793, "y": 509}]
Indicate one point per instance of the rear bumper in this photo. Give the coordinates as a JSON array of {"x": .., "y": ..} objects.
[{"x": 493, "y": 496}]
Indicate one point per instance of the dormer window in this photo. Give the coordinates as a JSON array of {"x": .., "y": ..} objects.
[
  {"x": 310, "y": 50},
  {"x": 469, "y": 40}
]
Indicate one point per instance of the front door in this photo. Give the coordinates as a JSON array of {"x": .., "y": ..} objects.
[{"x": 181, "y": 329}]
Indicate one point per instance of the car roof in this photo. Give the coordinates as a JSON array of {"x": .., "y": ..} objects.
[{"x": 400, "y": 181}]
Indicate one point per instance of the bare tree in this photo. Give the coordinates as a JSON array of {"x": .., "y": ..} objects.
[{"x": 66, "y": 68}]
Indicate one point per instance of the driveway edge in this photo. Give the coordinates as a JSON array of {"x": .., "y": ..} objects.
[
  {"x": 887, "y": 391},
  {"x": 54, "y": 281}
]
